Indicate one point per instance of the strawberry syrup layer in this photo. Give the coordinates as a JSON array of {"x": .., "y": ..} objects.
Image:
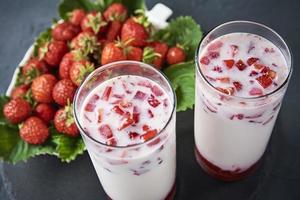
[
  {"x": 125, "y": 110},
  {"x": 243, "y": 65}
]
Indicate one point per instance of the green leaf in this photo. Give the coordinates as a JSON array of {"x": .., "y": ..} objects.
[
  {"x": 182, "y": 77},
  {"x": 43, "y": 38},
  {"x": 184, "y": 31},
  {"x": 9, "y": 138},
  {"x": 66, "y": 6},
  {"x": 67, "y": 148}
]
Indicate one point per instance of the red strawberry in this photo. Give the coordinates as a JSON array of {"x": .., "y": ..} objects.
[
  {"x": 34, "y": 131},
  {"x": 86, "y": 42},
  {"x": 93, "y": 22},
  {"x": 229, "y": 63},
  {"x": 264, "y": 80},
  {"x": 149, "y": 135},
  {"x": 134, "y": 53},
  {"x": 33, "y": 68},
  {"x": 42, "y": 87},
  {"x": 155, "y": 54},
  {"x": 106, "y": 131},
  {"x": 115, "y": 11},
  {"x": 252, "y": 60},
  {"x": 113, "y": 30},
  {"x": 135, "y": 33},
  {"x": 65, "y": 31},
  {"x": 80, "y": 70},
  {"x": 175, "y": 55},
  {"x": 67, "y": 62},
  {"x": 45, "y": 112},
  {"x": 76, "y": 16},
  {"x": 204, "y": 60},
  {"x": 63, "y": 92},
  {"x": 126, "y": 122},
  {"x": 112, "y": 52},
  {"x": 19, "y": 92},
  {"x": 240, "y": 65},
  {"x": 53, "y": 52},
  {"x": 153, "y": 101},
  {"x": 16, "y": 110},
  {"x": 64, "y": 121},
  {"x": 238, "y": 86}
]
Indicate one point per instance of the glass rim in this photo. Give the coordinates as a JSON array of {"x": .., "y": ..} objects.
[
  {"x": 238, "y": 97},
  {"x": 105, "y": 67}
]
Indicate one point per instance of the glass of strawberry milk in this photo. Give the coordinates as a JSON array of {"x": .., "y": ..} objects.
[
  {"x": 126, "y": 113},
  {"x": 242, "y": 72}
]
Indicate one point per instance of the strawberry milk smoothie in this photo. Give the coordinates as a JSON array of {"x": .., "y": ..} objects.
[
  {"x": 128, "y": 125},
  {"x": 241, "y": 79}
]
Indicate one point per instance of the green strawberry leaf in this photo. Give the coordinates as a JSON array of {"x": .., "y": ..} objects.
[
  {"x": 184, "y": 31},
  {"x": 41, "y": 40},
  {"x": 182, "y": 77},
  {"x": 66, "y": 6}
]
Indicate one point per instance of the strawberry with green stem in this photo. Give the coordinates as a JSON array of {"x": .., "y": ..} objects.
[
  {"x": 93, "y": 22},
  {"x": 86, "y": 42},
  {"x": 16, "y": 110},
  {"x": 33, "y": 68},
  {"x": 116, "y": 11},
  {"x": 76, "y": 16},
  {"x": 19, "y": 91},
  {"x": 155, "y": 54},
  {"x": 176, "y": 55},
  {"x": 52, "y": 52},
  {"x": 79, "y": 70},
  {"x": 65, "y": 31},
  {"x": 67, "y": 61},
  {"x": 64, "y": 121},
  {"x": 42, "y": 87},
  {"x": 63, "y": 92}
]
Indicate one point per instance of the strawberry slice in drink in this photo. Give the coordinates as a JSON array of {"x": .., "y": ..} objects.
[
  {"x": 153, "y": 101},
  {"x": 149, "y": 134},
  {"x": 106, "y": 93},
  {"x": 140, "y": 95}
]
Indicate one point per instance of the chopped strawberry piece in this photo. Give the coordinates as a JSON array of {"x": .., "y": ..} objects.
[
  {"x": 213, "y": 54},
  {"x": 145, "y": 127},
  {"x": 224, "y": 79},
  {"x": 204, "y": 60},
  {"x": 118, "y": 110},
  {"x": 133, "y": 135},
  {"x": 140, "y": 95},
  {"x": 253, "y": 73},
  {"x": 106, "y": 93},
  {"x": 238, "y": 86},
  {"x": 100, "y": 115},
  {"x": 265, "y": 81},
  {"x": 153, "y": 102},
  {"x": 215, "y": 46},
  {"x": 127, "y": 122},
  {"x": 252, "y": 60},
  {"x": 217, "y": 69},
  {"x": 125, "y": 104},
  {"x": 118, "y": 96},
  {"x": 271, "y": 74},
  {"x": 149, "y": 134},
  {"x": 91, "y": 105},
  {"x": 234, "y": 50},
  {"x": 255, "y": 91},
  {"x": 135, "y": 115},
  {"x": 106, "y": 131},
  {"x": 258, "y": 66},
  {"x": 156, "y": 91},
  {"x": 229, "y": 90},
  {"x": 240, "y": 65},
  {"x": 265, "y": 70},
  {"x": 145, "y": 83},
  {"x": 229, "y": 63},
  {"x": 151, "y": 115},
  {"x": 111, "y": 142}
]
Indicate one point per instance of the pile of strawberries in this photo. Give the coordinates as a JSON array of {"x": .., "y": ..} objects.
[{"x": 77, "y": 46}]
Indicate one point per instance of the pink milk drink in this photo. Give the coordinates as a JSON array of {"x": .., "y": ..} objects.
[
  {"x": 126, "y": 114},
  {"x": 243, "y": 69}
]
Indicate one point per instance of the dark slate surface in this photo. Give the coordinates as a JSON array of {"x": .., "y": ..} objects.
[{"x": 47, "y": 178}]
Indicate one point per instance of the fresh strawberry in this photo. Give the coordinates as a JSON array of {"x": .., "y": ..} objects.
[
  {"x": 155, "y": 54},
  {"x": 19, "y": 92},
  {"x": 115, "y": 11},
  {"x": 63, "y": 92},
  {"x": 114, "y": 30},
  {"x": 76, "y": 16},
  {"x": 240, "y": 65},
  {"x": 65, "y": 31},
  {"x": 134, "y": 53},
  {"x": 64, "y": 121},
  {"x": 229, "y": 63},
  {"x": 265, "y": 81},
  {"x": 33, "y": 68},
  {"x": 86, "y": 42},
  {"x": 175, "y": 55},
  {"x": 45, "y": 112},
  {"x": 42, "y": 87},
  {"x": 252, "y": 60},
  {"x": 93, "y": 22},
  {"x": 135, "y": 33},
  {"x": 80, "y": 70},
  {"x": 112, "y": 52},
  {"x": 34, "y": 131},
  {"x": 16, "y": 110},
  {"x": 53, "y": 52},
  {"x": 67, "y": 62}
]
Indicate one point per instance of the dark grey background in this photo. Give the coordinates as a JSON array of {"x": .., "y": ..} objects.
[{"x": 47, "y": 178}]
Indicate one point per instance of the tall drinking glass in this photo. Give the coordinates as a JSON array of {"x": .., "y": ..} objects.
[
  {"x": 145, "y": 170},
  {"x": 232, "y": 131}
]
